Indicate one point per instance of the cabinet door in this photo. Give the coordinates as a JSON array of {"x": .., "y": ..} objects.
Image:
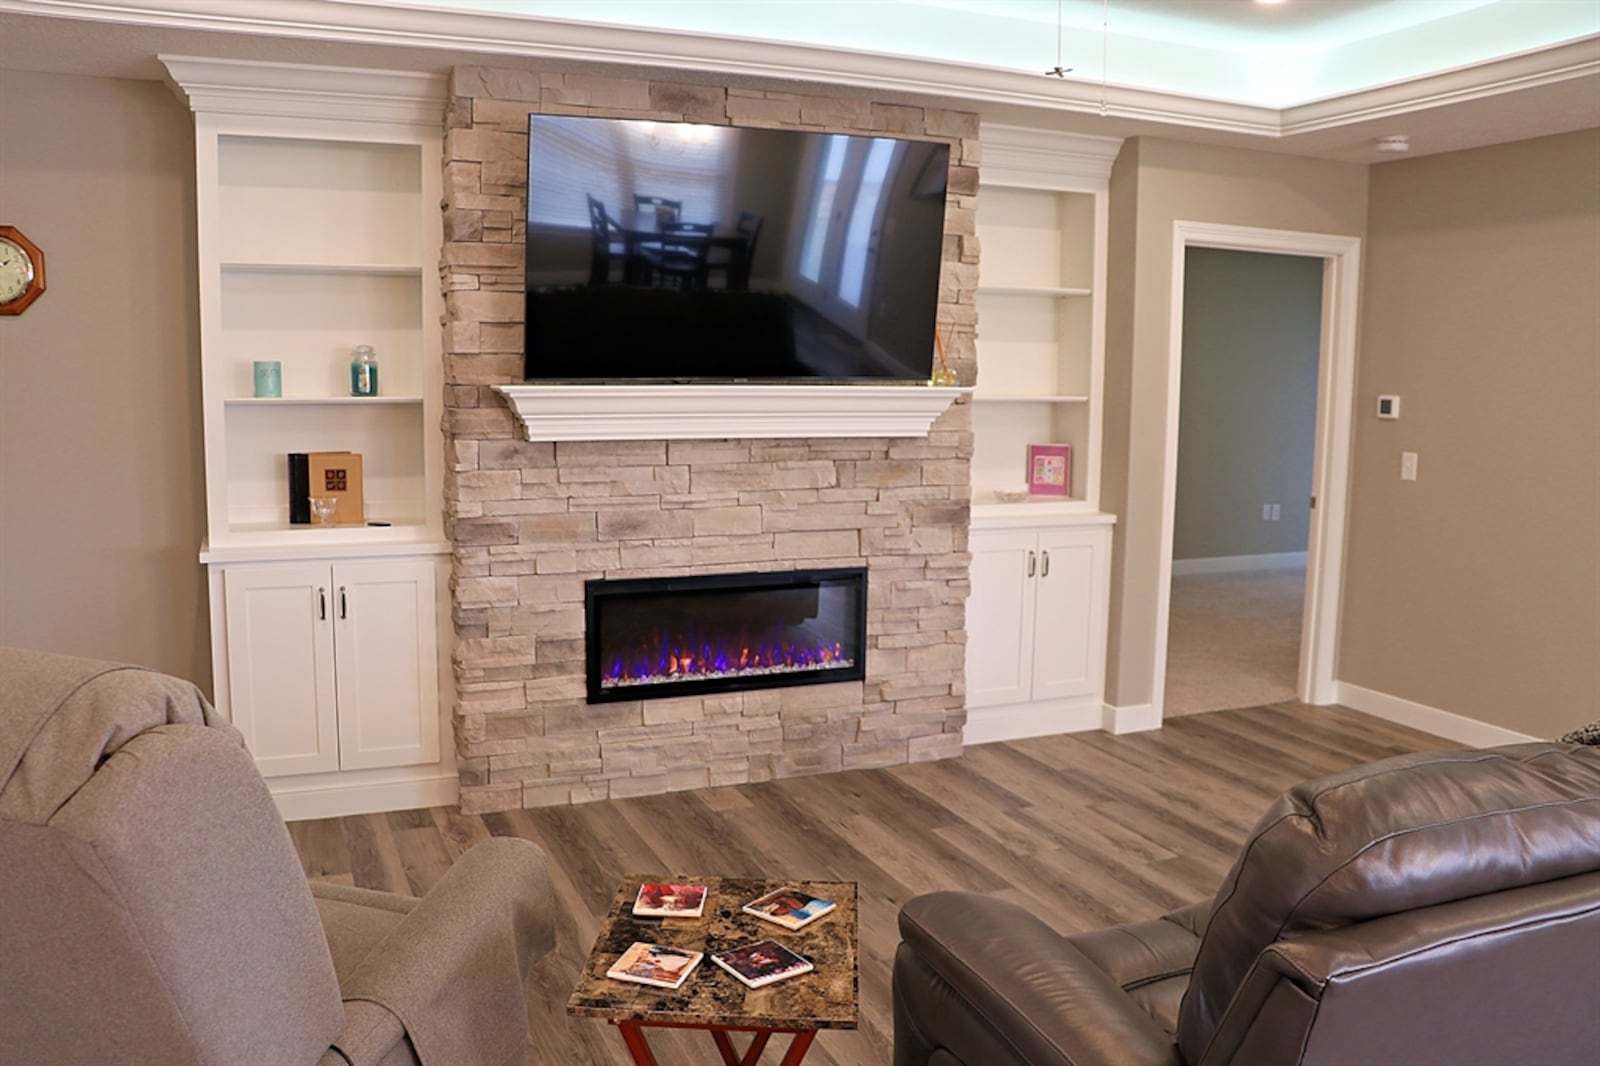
[
  {"x": 1069, "y": 619},
  {"x": 388, "y": 670},
  {"x": 1000, "y": 645},
  {"x": 280, "y": 666}
]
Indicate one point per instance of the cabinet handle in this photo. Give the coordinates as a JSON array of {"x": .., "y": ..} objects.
[
  {"x": 344, "y": 608},
  {"x": 1045, "y": 572},
  {"x": 1033, "y": 563},
  {"x": 322, "y": 604}
]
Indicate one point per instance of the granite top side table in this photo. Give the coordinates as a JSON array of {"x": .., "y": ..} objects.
[{"x": 712, "y": 999}]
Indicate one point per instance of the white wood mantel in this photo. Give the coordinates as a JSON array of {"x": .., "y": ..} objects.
[{"x": 715, "y": 412}]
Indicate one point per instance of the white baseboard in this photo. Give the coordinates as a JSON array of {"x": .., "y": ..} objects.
[
  {"x": 1135, "y": 718},
  {"x": 336, "y": 801},
  {"x": 1229, "y": 564},
  {"x": 985, "y": 725},
  {"x": 1468, "y": 731}
]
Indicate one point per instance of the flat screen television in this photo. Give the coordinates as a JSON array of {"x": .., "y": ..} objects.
[{"x": 667, "y": 251}]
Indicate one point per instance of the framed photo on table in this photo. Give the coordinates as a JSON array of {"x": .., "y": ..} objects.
[{"x": 1050, "y": 469}]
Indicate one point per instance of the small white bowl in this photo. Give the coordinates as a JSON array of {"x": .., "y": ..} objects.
[{"x": 1011, "y": 495}]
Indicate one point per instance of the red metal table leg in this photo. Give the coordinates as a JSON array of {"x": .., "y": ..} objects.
[
  {"x": 798, "y": 1047},
  {"x": 724, "y": 1045},
  {"x": 752, "y": 1054},
  {"x": 633, "y": 1036}
]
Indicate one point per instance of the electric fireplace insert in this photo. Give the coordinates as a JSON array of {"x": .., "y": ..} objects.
[{"x": 648, "y": 638}]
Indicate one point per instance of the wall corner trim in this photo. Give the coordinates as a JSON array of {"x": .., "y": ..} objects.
[{"x": 1135, "y": 718}]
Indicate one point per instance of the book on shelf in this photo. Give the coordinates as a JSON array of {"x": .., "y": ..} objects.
[
  {"x": 669, "y": 901},
  {"x": 336, "y": 474},
  {"x": 655, "y": 964},
  {"x": 762, "y": 963},
  {"x": 789, "y": 907},
  {"x": 299, "y": 489}
]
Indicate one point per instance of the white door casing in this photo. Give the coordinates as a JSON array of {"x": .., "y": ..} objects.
[{"x": 1331, "y": 463}]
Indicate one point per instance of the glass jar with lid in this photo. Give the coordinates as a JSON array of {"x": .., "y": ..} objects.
[{"x": 364, "y": 371}]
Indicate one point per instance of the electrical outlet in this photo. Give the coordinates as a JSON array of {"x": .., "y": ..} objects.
[
  {"x": 1408, "y": 466},
  {"x": 1276, "y": 512},
  {"x": 1266, "y": 512}
]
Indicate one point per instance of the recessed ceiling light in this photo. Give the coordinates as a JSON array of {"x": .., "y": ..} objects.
[
  {"x": 1394, "y": 142},
  {"x": 1270, "y": 2}
]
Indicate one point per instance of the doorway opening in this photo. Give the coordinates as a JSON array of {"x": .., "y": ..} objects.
[
  {"x": 1335, "y": 270},
  {"x": 1246, "y": 426}
]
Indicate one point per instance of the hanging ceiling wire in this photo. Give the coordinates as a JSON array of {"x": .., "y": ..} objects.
[
  {"x": 1105, "y": 45},
  {"x": 1058, "y": 71}
]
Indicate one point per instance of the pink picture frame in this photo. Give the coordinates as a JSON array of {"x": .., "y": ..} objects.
[{"x": 1050, "y": 469}]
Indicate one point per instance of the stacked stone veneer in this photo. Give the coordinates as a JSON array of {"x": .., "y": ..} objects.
[{"x": 531, "y": 521}]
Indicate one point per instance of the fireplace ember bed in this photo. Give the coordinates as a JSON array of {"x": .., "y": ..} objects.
[{"x": 649, "y": 638}]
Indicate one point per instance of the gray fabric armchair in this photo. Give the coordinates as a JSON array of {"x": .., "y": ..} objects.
[
  {"x": 1429, "y": 909},
  {"x": 154, "y": 909}
]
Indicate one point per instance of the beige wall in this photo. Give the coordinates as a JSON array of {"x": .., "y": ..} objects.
[
  {"x": 101, "y": 493},
  {"x": 1154, "y": 184},
  {"x": 1476, "y": 589},
  {"x": 1252, "y": 327}
]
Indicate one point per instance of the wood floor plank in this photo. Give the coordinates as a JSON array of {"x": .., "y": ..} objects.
[
  {"x": 374, "y": 856},
  {"x": 1083, "y": 830}
]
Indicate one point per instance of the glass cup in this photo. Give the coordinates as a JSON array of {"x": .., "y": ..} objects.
[{"x": 322, "y": 508}]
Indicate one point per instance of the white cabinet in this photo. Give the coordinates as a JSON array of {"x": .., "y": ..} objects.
[
  {"x": 1041, "y": 222},
  {"x": 317, "y": 194},
  {"x": 333, "y": 667},
  {"x": 1036, "y": 630}
]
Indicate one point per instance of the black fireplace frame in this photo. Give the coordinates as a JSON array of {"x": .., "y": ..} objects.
[{"x": 596, "y": 591}]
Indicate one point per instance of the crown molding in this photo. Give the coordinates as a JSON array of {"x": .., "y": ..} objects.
[
  {"x": 293, "y": 90},
  {"x": 488, "y": 35},
  {"x": 1042, "y": 159},
  {"x": 1546, "y": 66}
]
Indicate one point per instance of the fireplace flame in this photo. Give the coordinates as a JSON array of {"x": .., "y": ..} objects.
[{"x": 670, "y": 660}]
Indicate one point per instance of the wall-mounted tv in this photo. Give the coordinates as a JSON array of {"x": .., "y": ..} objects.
[{"x": 668, "y": 251}]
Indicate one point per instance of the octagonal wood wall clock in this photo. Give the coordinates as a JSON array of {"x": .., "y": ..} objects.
[{"x": 21, "y": 271}]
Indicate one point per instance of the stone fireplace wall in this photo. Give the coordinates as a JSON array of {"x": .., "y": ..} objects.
[{"x": 531, "y": 521}]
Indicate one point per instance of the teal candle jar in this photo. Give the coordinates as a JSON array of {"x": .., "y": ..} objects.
[
  {"x": 269, "y": 377},
  {"x": 364, "y": 372}
]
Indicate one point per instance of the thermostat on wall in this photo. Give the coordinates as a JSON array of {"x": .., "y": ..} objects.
[{"x": 1388, "y": 407}]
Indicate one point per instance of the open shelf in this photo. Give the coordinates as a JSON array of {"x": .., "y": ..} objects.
[
  {"x": 1039, "y": 335},
  {"x": 319, "y": 401},
  {"x": 262, "y": 266},
  {"x": 315, "y": 239},
  {"x": 1032, "y": 290},
  {"x": 984, "y": 397}
]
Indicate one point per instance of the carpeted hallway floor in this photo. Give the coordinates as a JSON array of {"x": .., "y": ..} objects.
[{"x": 1234, "y": 639}]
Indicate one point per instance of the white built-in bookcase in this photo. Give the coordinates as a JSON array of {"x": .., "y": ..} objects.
[
  {"x": 1036, "y": 618},
  {"x": 1042, "y": 211},
  {"x": 319, "y": 228}
]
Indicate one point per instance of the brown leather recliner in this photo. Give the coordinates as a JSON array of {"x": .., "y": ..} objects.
[
  {"x": 153, "y": 909},
  {"x": 1441, "y": 908}
]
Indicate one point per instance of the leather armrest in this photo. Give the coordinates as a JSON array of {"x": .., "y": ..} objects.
[
  {"x": 1434, "y": 975},
  {"x": 453, "y": 969},
  {"x": 1019, "y": 986}
]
